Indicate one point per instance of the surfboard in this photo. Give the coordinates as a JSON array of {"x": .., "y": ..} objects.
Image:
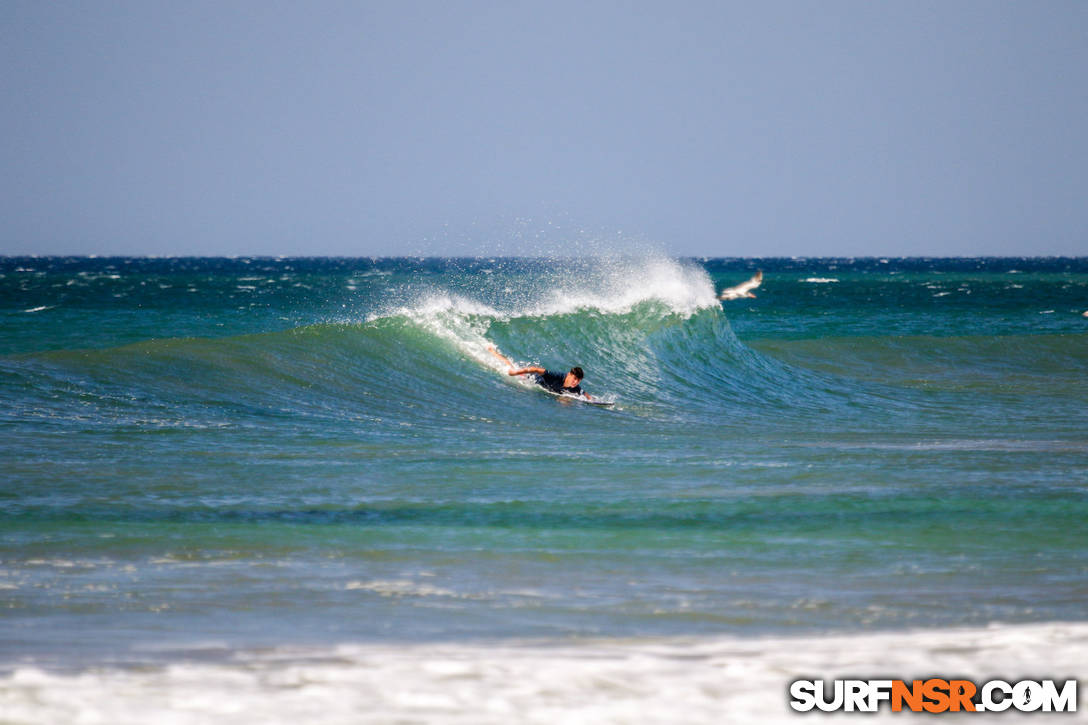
[{"x": 579, "y": 398}]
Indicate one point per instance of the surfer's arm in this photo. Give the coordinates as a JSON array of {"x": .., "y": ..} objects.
[
  {"x": 495, "y": 351},
  {"x": 510, "y": 363},
  {"x": 531, "y": 369}
]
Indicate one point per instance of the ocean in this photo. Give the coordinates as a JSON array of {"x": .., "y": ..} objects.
[{"x": 301, "y": 489}]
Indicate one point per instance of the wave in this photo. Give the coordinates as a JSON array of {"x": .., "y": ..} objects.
[
  {"x": 430, "y": 347},
  {"x": 634, "y": 292},
  {"x": 649, "y": 333}
]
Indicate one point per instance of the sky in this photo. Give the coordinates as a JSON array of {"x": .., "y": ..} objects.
[{"x": 449, "y": 128}]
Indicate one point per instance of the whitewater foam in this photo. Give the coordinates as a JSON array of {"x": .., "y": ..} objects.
[
  {"x": 401, "y": 588},
  {"x": 691, "y": 680}
]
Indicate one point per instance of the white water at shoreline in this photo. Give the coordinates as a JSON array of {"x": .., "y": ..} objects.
[{"x": 676, "y": 680}]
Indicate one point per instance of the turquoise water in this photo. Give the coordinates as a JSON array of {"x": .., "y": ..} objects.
[{"x": 266, "y": 452}]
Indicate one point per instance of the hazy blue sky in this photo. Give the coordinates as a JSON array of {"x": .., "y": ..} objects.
[{"x": 707, "y": 128}]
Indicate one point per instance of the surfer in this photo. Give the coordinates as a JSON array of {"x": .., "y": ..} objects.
[{"x": 558, "y": 383}]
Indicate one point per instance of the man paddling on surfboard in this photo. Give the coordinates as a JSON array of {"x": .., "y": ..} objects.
[{"x": 558, "y": 383}]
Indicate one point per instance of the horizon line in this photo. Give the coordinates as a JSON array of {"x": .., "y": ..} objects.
[{"x": 416, "y": 257}]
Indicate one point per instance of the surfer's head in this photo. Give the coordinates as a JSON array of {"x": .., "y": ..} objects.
[{"x": 573, "y": 377}]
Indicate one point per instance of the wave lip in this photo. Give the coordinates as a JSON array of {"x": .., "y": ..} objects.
[
  {"x": 609, "y": 285},
  {"x": 617, "y": 286}
]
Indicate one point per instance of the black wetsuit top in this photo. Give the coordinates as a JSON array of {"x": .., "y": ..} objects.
[{"x": 554, "y": 382}]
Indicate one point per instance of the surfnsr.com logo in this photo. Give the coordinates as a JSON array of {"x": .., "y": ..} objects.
[{"x": 933, "y": 695}]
